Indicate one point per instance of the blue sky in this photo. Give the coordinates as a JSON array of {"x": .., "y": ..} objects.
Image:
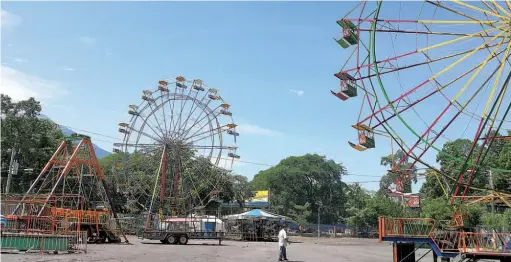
[{"x": 273, "y": 62}]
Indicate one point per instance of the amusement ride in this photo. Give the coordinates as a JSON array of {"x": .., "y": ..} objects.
[
  {"x": 424, "y": 74},
  {"x": 178, "y": 146}
]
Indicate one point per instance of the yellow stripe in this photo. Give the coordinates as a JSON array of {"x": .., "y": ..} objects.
[
  {"x": 477, "y": 71},
  {"x": 496, "y": 82},
  {"x": 508, "y": 5},
  {"x": 459, "y": 38},
  {"x": 464, "y": 57},
  {"x": 479, "y": 9},
  {"x": 442, "y": 186},
  {"x": 500, "y": 7},
  {"x": 457, "y": 22}
]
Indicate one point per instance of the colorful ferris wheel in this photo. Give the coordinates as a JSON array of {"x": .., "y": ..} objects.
[
  {"x": 426, "y": 73},
  {"x": 179, "y": 144}
]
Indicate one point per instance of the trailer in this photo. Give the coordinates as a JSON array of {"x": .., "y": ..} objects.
[{"x": 178, "y": 230}]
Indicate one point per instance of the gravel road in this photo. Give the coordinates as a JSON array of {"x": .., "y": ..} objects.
[{"x": 305, "y": 249}]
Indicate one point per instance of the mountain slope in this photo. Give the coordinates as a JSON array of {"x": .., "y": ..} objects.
[{"x": 100, "y": 152}]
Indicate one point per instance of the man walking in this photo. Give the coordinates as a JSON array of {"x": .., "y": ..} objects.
[{"x": 283, "y": 241}]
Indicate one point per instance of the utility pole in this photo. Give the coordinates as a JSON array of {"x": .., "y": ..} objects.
[
  {"x": 319, "y": 217},
  {"x": 13, "y": 169}
]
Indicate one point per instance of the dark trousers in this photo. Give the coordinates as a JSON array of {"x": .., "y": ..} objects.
[{"x": 282, "y": 254}]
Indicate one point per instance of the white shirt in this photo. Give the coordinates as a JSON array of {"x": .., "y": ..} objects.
[{"x": 282, "y": 238}]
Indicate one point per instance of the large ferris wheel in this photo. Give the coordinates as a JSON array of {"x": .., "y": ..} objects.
[
  {"x": 178, "y": 146},
  {"x": 424, "y": 74}
]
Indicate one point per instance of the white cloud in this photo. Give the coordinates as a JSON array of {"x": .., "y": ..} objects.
[
  {"x": 16, "y": 59},
  {"x": 255, "y": 130},
  {"x": 298, "y": 92},
  {"x": 88, "y": 40},
  {"x": 9, "y": 20},
  {"x": 20, "y": 86},
  {"x": 69, "y": 69}
]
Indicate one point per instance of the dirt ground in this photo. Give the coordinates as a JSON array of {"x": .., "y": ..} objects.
[{"x": 303, "y": 249}]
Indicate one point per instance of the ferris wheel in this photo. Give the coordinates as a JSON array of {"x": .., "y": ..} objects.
[
  {"x": 426, "y": 73},
  {"x": 178, "y": 146}
]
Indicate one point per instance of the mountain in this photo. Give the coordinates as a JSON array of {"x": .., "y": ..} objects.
[{"x": 100, "y": 152}]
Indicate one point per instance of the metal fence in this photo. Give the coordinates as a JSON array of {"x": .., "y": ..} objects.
[{"x": 42, "y": 242}]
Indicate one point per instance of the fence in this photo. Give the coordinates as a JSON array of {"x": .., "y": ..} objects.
[
  {"x": 480, "y": 243},
  {"x": 406, "y": 227},
  {"x": 487, "y": 242},
  {"x": 38, "y": 234}
]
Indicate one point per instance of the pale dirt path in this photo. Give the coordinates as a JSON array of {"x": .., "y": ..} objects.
[{"x": 309, "y": 250}]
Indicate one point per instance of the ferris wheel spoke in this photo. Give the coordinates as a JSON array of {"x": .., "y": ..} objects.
[
  {"x": 137, "y": 145},
  {"x": 198, "y": 120},
  {"x": 429, "y": 61},
  {"x": 427, "y": 33},
  {"x": 479, "y": 9},
  {"x": 374, "y": 112},
  {"x": 430, "y": 94},
  {"x": 490, "y": 7},
  {"x": 209, "y": 181},
  {"x": 428, "y": 146},
  {"x": 145, "y": 122},
  {"x": 211, "y": 135},
  {"x": 212, "y": 147},
  {"x": 497, "y": 103},
  {"x": 162, "y": 88},
  {"x": 153, "y": 114},
  {"x": 178, "y": 126},
  {"x": 421, "y": 137},
  {"x": 172, "y": 106},
  {"x": 495, "y": 84},
  {"x": 192, "y": 109},
  {"x": 210, "y": 130}
]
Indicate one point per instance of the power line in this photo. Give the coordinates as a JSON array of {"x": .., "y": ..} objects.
[
  {"x": 241, "y": 161},
  {"x": 90, "y": 132}
]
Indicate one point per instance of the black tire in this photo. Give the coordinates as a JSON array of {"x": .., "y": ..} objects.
[
  {"x": 183, "y": 239},
  {"x": 172, "y": 239},
  {"x": 164, "y": 241}
]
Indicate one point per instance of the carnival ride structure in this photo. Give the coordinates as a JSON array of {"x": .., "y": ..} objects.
[
  {"x": 67, "y": 202},
  {"x": 424, "y": 74},
  {"x": 178, "y": 147}
]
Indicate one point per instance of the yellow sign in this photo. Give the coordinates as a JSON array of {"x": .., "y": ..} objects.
[{"x": 260, "y": 196}]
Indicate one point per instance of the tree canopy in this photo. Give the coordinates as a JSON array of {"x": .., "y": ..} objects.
[
  {"x": 305, "y": 184},
  {"x": 34, "y": 140}
]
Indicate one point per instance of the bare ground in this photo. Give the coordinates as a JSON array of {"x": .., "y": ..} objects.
[{"x": 304, "y": 249}]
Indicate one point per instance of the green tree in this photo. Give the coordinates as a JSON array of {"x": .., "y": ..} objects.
[
  {"x": 375, "y": 206},
  {"x": 431, "y": 187},
  {"x": 436, "y": 208},
  {"x": 405, "y": 171},
  {"x": 241, "y": 190},
  {"x": 33, "y": 138},
  {"x": 300, "y": 213},
  {"x": 312, "y": 179}
]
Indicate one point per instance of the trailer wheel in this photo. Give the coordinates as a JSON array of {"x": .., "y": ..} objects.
[
  {"x": 183, "y": 239},
  {"x": 172, "y": 239}
]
